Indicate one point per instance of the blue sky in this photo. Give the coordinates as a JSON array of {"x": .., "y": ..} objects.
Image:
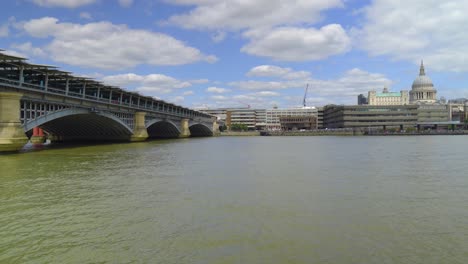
[{"x": 233, "y": 53}]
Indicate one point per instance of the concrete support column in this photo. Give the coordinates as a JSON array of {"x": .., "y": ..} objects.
[
  {"x": 46, "y": 81},
  {"x": 139, "y": 129},
  {"x": 38, "y": 136},
  {"x": 185, "y": 130},
  {"x": 215, "y": 128},
  {"x": 67, "y": 86},
  {"x": 84, "y": 90},
  {"x": 12, "y": 136},
  {"x": 21, "y": 76}
]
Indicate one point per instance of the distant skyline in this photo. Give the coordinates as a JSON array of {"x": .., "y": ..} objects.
[{"x": 233, "y": 53}]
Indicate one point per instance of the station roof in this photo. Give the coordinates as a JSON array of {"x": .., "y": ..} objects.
[{"x": 14, "y": 63}]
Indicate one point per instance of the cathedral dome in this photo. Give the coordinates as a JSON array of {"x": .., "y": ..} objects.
[{"x": 422, "y": 82}]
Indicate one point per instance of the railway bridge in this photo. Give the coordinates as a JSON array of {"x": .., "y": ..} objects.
[{"x": 39, "y": 101}]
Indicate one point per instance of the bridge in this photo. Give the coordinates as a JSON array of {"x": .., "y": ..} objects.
[{"x": 39, "y": 101}]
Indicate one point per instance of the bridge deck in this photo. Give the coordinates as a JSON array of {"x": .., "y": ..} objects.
[{"x": 17, "y": 74}]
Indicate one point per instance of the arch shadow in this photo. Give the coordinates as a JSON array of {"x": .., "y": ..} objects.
[
  {"x": 162, "y": 129},
  {"x": 200, "y": 130},
  {"x": 81, "y": 125}
]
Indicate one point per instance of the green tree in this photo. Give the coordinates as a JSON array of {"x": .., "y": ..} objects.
[{"x": 239, "y": 127}]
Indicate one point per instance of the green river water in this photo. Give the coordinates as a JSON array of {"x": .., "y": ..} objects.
[{"x": 239, "y": 200}]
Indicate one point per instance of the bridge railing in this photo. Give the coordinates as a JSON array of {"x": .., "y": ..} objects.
[
  {"x": 8, "y": 81},
  {"x": 30, "y": 86}
]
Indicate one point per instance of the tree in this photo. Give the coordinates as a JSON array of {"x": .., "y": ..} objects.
[{"x": 239, "y": 127}]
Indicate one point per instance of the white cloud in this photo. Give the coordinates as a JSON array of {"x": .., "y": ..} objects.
[
  {"x": 266, "y": 94},
  {"x": 153, "y": 91},
  {"x": 108, "y": 46},
  {"x": 28, "y": 48},
  {"x": 341, "y": 90},
  {"x": 186, "y": 93},
  {"x": 219, "y": 97},
  {"x": 63, "y": 3},
  {"x": 15, "y": 53},
  {"x": 277, "y": 29},
  {"x": 125, "y": 3},
  {"x": 298, "y": 44},
  {"x": 145, "y": 80},
  {"x": 289, "y": 93},
  {"x": 151, "y": 84},
  {"x": 218, "y": 36},
  {"x": 239, "y": 14},
  {"x": 217, "y": 90},
  {"x": 86, "y": 15},
  {"x": 199, "y": 81},
  {"x": 264, "y": 85},
  {"x": 4, "y": 31},
  {"x": 278, "y": 72},
  {"x": 177, "y": 99},
  {"x": 5, "y": 28},
  {"x": 431, "y": 30}
]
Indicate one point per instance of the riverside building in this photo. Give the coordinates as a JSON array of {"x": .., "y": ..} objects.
[
  {"x": 254, "y": 119},
  {"x": 261, "y": 119},
  {"x": 370, "y": 116},
  {"x": 273, "y": 116}
]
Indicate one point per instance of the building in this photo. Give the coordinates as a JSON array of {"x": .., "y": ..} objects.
[
  {"x": 320, "y": 117},
  {"x": 361, "y": 100},
  {"x": 385, "y": 117},
  {"x": 246, "y": 117},
  {"x": 260, "y": 119},
  {"x": 370, "y": 116},
  {"x": 458, "y": 109},
  {"x": 422, "y": 90},
  {"x": 273, "y": 116},
  {"x": 308, "y": 122},
  {"x": 433, "y": 113},
  {"x": 388, "y": 98},
  {"x": 254, "y": 119}
]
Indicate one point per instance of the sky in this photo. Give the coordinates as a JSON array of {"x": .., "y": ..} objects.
[{"x": 239, "y": 53}]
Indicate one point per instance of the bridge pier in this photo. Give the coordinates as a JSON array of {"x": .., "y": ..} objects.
[
  {"x": 185, "y": 130},
  {"x": 38, "y": 136},
  {"x": 12, "y": 136},
  {"x": 215, "y": 128},
  {"x": 139, "y": 129}
]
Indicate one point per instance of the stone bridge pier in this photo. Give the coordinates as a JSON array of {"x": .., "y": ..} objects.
[{"x": 12, "y": 136}]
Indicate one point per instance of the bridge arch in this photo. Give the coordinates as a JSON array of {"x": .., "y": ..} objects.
[
  {"x": 200, "y": 130},
  {"x": 159, "y": 128},
  {"x": 74, "y": 124}
]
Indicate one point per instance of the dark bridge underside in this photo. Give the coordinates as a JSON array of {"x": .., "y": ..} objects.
[
  {"x": 199, "y": 130},
  {"x": 86, "y": 127},
  {"x": 163, "y": 129}
]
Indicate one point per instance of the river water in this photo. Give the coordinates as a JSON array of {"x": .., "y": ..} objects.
[{"x": 239, "y": 200}]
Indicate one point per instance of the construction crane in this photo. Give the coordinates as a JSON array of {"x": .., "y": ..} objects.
[
  {"x": 305, "y": 95},
  {"x": 247, "y": 105}
]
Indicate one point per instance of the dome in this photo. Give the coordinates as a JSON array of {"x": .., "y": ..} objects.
[{"x": 422, "y": 82}]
